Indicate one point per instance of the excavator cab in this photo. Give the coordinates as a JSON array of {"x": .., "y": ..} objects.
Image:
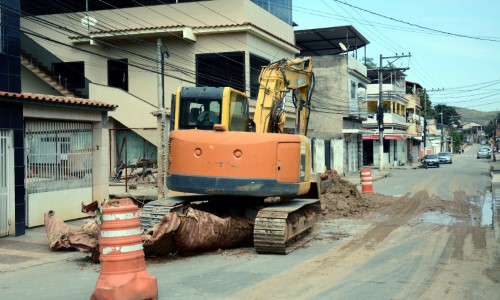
[{"x": 203, "y": 107}]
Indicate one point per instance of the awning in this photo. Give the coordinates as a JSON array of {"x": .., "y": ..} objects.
[
  {"x": 356, "y": 131},
  {"x": 386, "y": 137}
]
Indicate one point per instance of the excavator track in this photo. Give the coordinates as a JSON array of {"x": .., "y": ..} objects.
[
  {"x": 282, "y": 227},
  {"x": 152, "y": 213}
]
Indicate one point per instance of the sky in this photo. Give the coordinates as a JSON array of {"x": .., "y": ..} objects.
[{"x": 457, "y": 60}]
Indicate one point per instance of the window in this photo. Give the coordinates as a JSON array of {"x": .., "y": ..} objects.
[
  {"x": 256, "y": 64},
  {"x": 239, "y": 113},
  {"x": 353, "y": 89},
  {"x": 118, "y": 73},
  {"x": 221, "y": 70},
  {"x": 71, "y": 74},
  {"x": 280, "y": 8},
  {"x": 193, "y": 110}
]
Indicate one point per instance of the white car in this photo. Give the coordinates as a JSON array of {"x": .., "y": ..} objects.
[{"x": 484, "y": 152}]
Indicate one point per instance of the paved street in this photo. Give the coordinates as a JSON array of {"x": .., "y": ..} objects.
[{"x": 436, "y": 241}]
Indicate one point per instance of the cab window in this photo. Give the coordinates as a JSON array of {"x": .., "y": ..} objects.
[{"x": 238, "y": 111}]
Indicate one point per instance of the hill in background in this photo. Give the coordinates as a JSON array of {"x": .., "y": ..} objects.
[{"x": 471, "y": 115}]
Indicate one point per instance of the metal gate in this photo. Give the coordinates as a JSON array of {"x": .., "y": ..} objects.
[
  {"x": 58, "y": 155},
  {"x": 58, "y": 161},
  {"x": 6, "y": 179}
]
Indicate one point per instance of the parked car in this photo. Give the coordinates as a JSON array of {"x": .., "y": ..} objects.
[
  {"x": 445, "y": 158},
  {"x": 484, "y": 153},
  {"x": 430, "y": 160}
]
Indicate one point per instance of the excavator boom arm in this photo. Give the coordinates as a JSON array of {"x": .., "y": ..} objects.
[{"x": 276, "y": 80}]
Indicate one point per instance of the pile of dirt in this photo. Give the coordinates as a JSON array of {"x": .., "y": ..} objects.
[{"x": 340, "y": 198}]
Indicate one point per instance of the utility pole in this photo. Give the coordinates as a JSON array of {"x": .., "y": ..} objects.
[
  {"x": 162, "y": 149},
  {"x": 442, "y": 131},
  {"x": 493, "y": 155},
  {"x": 380, "y": 107},
  {"x": 380, "y": 119},
  {"x": 425, "y": 122}
]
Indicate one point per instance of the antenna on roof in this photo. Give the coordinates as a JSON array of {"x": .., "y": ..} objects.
[
  {"x": 88, "y": 21},
  {"x": 343, "y": 47}
]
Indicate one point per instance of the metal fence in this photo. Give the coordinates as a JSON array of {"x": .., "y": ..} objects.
[{"x": 58, "y": 155}]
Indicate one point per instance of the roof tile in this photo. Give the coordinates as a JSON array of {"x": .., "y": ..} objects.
[
  {"x": 57, "y": 99},
  {"x": 181, "y": 26}
]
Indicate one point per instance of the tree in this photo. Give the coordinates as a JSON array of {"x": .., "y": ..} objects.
[
  {"x": 450, "y": 115},
  {"x": 458, "y": 139},
  {"x": 430, "y": 113},
  {"x": 489, "y": 129},
  {"x": 370, "y": 63}
]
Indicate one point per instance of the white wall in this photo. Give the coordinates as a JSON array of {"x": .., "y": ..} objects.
[
  {"x": 30, "y": 83},
  {"x": 67, "y": 205},
  {"x": 319, "y": 155},
  {"x": 338, "y": 155}
]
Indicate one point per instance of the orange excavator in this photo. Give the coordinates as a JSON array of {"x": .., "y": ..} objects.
[{"x": 221, "y": 157}]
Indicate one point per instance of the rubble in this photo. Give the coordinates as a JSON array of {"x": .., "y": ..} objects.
[
  {"x": 340, "y": 198},
  {"x": 63, "y": 236},
  {"x": 195, "y": 231}
]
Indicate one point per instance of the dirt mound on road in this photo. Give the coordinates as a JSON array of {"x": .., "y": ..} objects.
[{"x": 340, "y": 198}]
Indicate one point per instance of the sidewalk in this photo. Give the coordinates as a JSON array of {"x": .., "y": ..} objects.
[
  {"x": 355, "y": 177},
  {"x": 495, "y": 189},
  {"x": 32, "y": 249}
]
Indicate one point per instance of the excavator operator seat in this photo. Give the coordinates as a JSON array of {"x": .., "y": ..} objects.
[
  {"x": 193, "y": 115},
  {"x": 207, "y": 119}
]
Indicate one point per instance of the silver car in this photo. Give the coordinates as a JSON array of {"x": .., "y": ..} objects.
[
  {"x": 484, "y": 153},
  {"x": 445, "y": 158}
]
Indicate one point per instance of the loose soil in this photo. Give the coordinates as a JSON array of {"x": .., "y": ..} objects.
[{"x": 340, "y": 198}]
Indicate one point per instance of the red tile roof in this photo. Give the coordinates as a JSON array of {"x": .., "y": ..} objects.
[
  {"x": 57, "y": 99},
  {"x": 181, "y": 26}
]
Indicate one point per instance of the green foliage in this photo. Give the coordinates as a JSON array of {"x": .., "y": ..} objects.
[
  {"x": 458, "y": 140},
  {"x": 370, "y": 62},
  {"x": 430, "y": 113},
  {"x": 489, "y": 129},
  {"x": 450, "y": 115}
]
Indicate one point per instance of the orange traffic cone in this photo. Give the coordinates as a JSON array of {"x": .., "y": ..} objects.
[
  {"x": 366, "y": 180},
  {"x": 123, "y": 268}
]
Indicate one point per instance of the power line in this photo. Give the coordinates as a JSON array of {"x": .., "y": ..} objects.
[{"x": 420, "y": 26}]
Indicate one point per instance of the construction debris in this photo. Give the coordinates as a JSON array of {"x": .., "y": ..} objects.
[
  {"x": 340, "y": 198},
  {"x": 63, "y": 236},
  {"x": 195, "y": 231}
]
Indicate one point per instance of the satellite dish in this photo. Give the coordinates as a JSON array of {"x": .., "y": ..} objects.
[
  {"x": 343, "y": 47},
  {"x": 88, "y": 21}
]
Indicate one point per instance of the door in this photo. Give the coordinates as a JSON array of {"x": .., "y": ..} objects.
[{"x": 6, "y": 179}]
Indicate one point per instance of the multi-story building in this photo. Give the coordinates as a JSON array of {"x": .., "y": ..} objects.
[
  {"x": 394, "y": 103},
  {"x": 111, "y": 53},
  {"x": 339, "y": 99},
  {"x": 415, "y": 120},
  {"x": 473, "y": 132}
]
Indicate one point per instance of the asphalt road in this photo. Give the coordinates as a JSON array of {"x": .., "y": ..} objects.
[
  {"x": 466, "y": 173},
  {"x": 434, "y": 242}
]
